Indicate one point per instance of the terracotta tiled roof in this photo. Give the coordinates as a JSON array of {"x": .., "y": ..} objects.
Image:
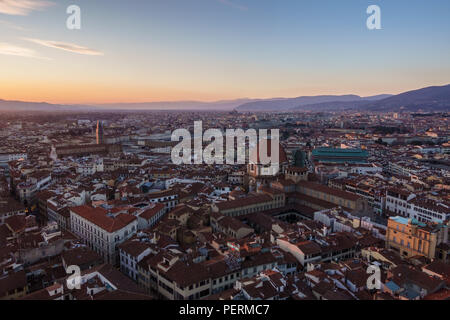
[
  {"x": 99, "y": 217},
  {"x": 149, "y": 213}
]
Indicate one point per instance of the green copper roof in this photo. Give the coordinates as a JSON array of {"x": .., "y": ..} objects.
[{"x": 340, "y": 155}]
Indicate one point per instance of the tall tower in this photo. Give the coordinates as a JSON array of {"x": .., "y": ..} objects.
[
  {"x": 53, "y": 154},
  {"x": 100, "y": 133}
]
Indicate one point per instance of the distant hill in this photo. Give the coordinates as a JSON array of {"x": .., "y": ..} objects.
[
  {"x": 333, "y": 105},
  {"x": 6, "y": 105},
  {"x": 224, "y": 105},
  {"x": 426, "y": 99},
  {"x": 343, "y": 105},
  {"x": 377, "y": 97},
  {"x": 305, "y": 103},
  {"x": 431, "y": 99},
  {"x": 423, "y": 100}
]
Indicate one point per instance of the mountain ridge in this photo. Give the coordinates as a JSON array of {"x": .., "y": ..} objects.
[
  {"x": 436, "y": 98},
  {"x": 433, "y": 98}
]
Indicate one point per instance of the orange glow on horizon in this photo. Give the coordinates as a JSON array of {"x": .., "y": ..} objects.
[
  {"x": 60, "y": 94},
  {"x": 101, "y": 93}
]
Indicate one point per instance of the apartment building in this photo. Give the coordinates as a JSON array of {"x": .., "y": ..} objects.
[
  {"x": 305, "y": 252},
  {"x": 409, "y": 237},
  {"x": 429, "y": 210},
  {"x": 222, "y": 277},
  {"x": 151, "y": 215},
  {"x": 26, "y": 192},
  {"x": 397, "y": 201},
  {"x": 175, "y": 278},
  {"x": 168, "y": 197},
  {"x": 375, "y": 195},
  {"x": 403, "y": 169},
  {"x": 409, "y": 205},
  {"x": 169, "y": 277},
  {"x": 59, "y": 213},
  {"x": 335, "y": 247},
  {"x": 131, "y": 253},
  {"x": 230, "y": 226},
  {"x": 35, "y": 181},
  {"x": 58, "y": 207},
  {"x": 90, "y": 167},
  {"x": 9, "y": 207},
  {"x": 101, "y": 231}
]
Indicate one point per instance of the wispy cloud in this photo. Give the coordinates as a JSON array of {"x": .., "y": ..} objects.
[
  {"x": 12, "y": 25},
  {"x": 234, "y": 5},
  {"x": 22, "y": 7},
  {"x": 13, "y": 50},
  {"x": 66, "y": 47}
]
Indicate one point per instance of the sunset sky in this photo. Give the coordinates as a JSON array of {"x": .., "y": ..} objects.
[{"x": 161, "y": 50}]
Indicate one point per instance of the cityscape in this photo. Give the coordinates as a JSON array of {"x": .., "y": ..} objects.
[
  {"x": 354, "y": 190},
  {"x": 329, "y": 194}
]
